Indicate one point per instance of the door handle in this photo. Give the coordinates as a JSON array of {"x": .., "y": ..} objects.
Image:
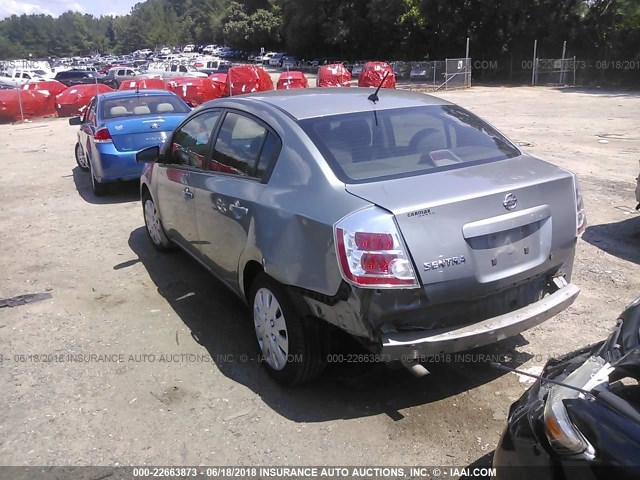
[
  {"x": 238, "y": 209},
  {"x": 188, "y": 194}
]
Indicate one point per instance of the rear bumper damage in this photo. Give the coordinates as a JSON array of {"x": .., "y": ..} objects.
[
  {"x": 413, "y": 345},
  {"x": 404, "y": 325}
]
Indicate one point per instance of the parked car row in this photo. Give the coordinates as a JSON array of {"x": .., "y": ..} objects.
[{"x": 79, "y": 77}]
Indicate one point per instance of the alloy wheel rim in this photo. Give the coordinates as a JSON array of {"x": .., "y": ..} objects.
[
  {"x": 271, "y": 328},
  {"x": 152, "y": 221}
]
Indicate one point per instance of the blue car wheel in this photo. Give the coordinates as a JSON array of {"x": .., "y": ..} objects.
[
  {"x": 81, "y": 159},
  {"x": 99, "y": 189}
]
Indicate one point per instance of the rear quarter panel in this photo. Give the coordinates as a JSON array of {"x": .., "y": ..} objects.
[{"x": 292, "y": 229}]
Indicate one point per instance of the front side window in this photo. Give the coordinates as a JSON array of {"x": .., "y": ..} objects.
[
  {"x": 240, "y": 145},
  {"x": 191, "y": 141},
  {"x": 363, "y": 146}
]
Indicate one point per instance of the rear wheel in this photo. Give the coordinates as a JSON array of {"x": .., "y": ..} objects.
[
  {"x": 153, "y": 224},
  {"x": 290, "y": 344},
  {"x": 99, "y": 189},
  {"x": 81, "y": 158}
]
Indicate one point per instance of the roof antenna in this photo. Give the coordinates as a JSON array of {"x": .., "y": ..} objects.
[{"x": 374, "y": 96}]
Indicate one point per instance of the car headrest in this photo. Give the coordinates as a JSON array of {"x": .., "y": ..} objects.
[
  {"x": 119, "y": 110},
  {"x": 164, "y": 108},
  {"x": 141, "y": 110},
  {"x": 357, "y": 132}
]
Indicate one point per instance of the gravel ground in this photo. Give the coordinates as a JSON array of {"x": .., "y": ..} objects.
[{"x": 169, "y": 383}]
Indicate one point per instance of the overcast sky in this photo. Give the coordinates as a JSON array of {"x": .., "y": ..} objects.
[{"x": 57, "y": 7}]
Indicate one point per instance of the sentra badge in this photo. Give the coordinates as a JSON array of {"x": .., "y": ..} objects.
[{"x": 443, "y": 263}]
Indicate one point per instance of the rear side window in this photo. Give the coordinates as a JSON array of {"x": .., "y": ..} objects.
[
  {"x": 363, "y": 147},
  {"x": 244, "y": 147},
  {"x": 268, "y": 155}
]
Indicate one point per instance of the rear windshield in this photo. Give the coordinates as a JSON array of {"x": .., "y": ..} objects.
[
  {"x": 143, "y": 105},
  {"x": 364, "y": 146}
]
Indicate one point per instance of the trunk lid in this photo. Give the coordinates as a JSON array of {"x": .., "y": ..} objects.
[
  {"x": 472, "y": 231},
  {"x": 134, "y": 134}
]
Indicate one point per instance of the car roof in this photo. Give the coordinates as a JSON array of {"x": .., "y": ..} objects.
[
  {"x": 319, "y": 102},
  {"x": 132, "y": 93}
]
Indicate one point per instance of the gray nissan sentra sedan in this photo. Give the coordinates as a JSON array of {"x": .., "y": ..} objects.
[{"x": 401, "y": 219}]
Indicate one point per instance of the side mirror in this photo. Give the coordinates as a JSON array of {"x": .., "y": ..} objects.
[
  {"x": 148, "y": 155},
  {"x": 75, "y": 121}
]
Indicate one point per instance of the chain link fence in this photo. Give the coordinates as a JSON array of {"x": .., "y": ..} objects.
[
  {"x": 433, "y": 75},
  {"x": 554, "y": 71}
]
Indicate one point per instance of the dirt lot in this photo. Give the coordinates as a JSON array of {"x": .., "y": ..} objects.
[{"x": 113, "y": 296}]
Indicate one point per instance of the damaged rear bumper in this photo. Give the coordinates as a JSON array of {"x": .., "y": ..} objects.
[{"x": 415, "y": 344}]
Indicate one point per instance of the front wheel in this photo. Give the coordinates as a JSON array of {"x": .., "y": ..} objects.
[
  {"x": 290, "y": 344},
  {"x": 153, "y": 224}
]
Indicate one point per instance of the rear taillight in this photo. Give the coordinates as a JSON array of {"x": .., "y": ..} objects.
[
  {"x": 371, "y": 252},
  {"x": 581, "y": 215},
  {"x": 102, "y": 135}
]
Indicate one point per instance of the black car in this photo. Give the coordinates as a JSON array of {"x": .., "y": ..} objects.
[
  {"x": 224, "y": 68},
  {"x": 561, "y": 433},
  {"x": 78, "y": 77},
  {"x": 234, "y": 55}
]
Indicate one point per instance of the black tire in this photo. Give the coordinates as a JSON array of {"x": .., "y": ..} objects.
[
  {"x": 99, "y": 189},
  {"x": 305, "y": 335},
  {"x": 79, "y": 153},
  {"x": 160, "y": 241}
]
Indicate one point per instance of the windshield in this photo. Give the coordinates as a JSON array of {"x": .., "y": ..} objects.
[
  {"x": 143, "y": 105},
  {"x": 368, "y": 146}
]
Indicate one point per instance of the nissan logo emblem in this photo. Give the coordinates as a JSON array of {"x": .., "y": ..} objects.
[{"x": 510, "y": 201}]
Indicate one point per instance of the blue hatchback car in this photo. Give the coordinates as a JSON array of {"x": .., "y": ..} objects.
[{"x": 117, "y": 125}]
